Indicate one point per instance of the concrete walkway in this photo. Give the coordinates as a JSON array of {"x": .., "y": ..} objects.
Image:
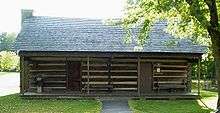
[
  {"x": 115, "y": 106},
  {"x": 9, "y": 83}
]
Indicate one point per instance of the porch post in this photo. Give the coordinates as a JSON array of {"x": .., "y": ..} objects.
[
  {"x": 189, "y": 77},
  {"x": 109, "y": 72},
  {"x": 138, "y": 80},
  {"x": 199, "y": 74},
  {"x": 88, "y": 75},
  {"x": 22, "y": 74}
]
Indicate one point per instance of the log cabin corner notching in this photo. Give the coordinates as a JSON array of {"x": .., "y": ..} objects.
[{"x": 86, "y": 57}]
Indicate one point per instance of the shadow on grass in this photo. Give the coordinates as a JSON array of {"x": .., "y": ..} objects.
[
  {"x": 167, "y": 106},
  {"x": 15, "y": 104}
]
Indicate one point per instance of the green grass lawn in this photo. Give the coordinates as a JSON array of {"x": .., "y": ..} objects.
[
  {"x": 14, "y": 104},
  {"x": 166, "y": 106},
  {"x": 172, "y": 106},
  {"x": 207, "y": 94}
]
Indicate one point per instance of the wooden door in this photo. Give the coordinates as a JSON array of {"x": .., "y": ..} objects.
[
  {"x": 145, "y": 77},
  {"x": 74, "y": 76}
]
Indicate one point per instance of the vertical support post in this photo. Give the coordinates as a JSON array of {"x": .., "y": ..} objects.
[
  {"x": 109, "y": 73},
  {"x": 138, "y": 69},
  {"x": 189, "y": 77},
  {"x": 199, "y": 74},
  {"x": 21, "y": 74},
  {"x": 88, "y": 75},
  {"x": 27, "y": 68},
  {"x": 67, "y": 72}
]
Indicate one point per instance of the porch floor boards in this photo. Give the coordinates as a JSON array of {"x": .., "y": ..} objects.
[{"x": 132, "y": 95}]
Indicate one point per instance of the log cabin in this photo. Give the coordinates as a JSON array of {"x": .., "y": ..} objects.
[{"x": 80, "y": 57}]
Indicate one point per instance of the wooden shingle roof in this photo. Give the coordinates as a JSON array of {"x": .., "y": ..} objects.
[{"x": 40, "y": 33}]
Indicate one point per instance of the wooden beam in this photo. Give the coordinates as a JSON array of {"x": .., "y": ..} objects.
[
  {"x": 107, "y": 54},
  {"x": 106, "y": 71},
  {"x": 26, "y": 73},
  {"x": 109, "y": 72},
  {"x": 88, "y": 75},
  {"x": 117, "y": 76},
  {"x": 21, "y": 74},
  {"x": 161, "y": 60},
  {"x": 24, "y": 80},
  {"x": 171, "y": 71},
  {"x": 113, "y": 65},
  {"x": 139, "y": 72},
  {"x": 199, "y": 74},
  {"x": 165, "y": 76},
  {"x": 172, "y": 66},
  {"x": 189, "y": 76}
]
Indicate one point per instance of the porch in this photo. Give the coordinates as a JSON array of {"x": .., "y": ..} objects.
[{"x": 108, "y": 75}]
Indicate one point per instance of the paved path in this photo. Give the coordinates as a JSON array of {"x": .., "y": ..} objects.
[
  {"x": 210, "y": 102},
  {"x": 9, "y": 83},
  {"x": 115, "y": 106}
]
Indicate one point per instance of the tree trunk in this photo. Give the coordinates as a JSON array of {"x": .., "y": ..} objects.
[{"x": 215, "y": 37}]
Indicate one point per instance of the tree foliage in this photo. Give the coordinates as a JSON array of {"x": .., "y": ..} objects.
[
  {"x": 9, "y": 61},
  {"x": 183, "y": 20},
  {"x": 6, "y": 41}
]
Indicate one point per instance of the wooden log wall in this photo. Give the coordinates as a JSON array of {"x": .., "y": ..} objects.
[
  {"x": 109, "y": 74},
  {"x": 170, "y": 76},
  {"x": 98, "y": 73},
  {"x": 52, "y": 70}
]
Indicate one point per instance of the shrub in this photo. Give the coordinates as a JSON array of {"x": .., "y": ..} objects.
[{"x": 9, "y": 61}]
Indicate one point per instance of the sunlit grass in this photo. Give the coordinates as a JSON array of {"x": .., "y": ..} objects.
[
  {"x": 15, "y": 104},
  {"x": 167, "y": 106}
]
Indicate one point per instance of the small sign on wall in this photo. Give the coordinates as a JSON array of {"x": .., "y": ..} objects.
[{"x": 158, "y": 69}]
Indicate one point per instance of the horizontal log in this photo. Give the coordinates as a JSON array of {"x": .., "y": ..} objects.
[
  {"x": 50, "y": 87},
  {"x": 113, "y": 65},
  {"x": 122, "y": 83},
  {"x": 163, "y": 60},
  {"x": 96, "y": 65},
  {"x": 124, "y": 60},
  {"x": 171, "y": 66},
  {"x": 48, "y": 58},
  {"x": 91, "y": 76},
  {"x": 171, "y": 71},
  {"x": 114, "y": 71},
  {"x": 124, "y": 77},
  {"x": 169, "y": 76},
  {"x": 169, "y": 82},
  {"x": 49, "y": 64},
  {"x": 48, "y": 73},
  {"x": 95, "y": 82},
  {"x": 113, "y": 89},
  {"x": 52, "y": 70},
  {"x": 124, "y": 65},
  {"x": 125, "y": 83},
  {"x": 48, "y": 68},
  {"x": 96, "y": 89},
  {"x": 124, "y": 88},
  {"x": 49, "y": 82},
  {"x": 95, "y": 71},
  {"x": 54, "y": 76},
  {"x": 106, "y": 76},
  {"x": 124, "y": 71}
]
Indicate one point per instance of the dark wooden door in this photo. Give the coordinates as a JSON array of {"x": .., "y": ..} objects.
[
  {"x": 74, "y": 76},
  {"x": 145, "y": 77}
]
